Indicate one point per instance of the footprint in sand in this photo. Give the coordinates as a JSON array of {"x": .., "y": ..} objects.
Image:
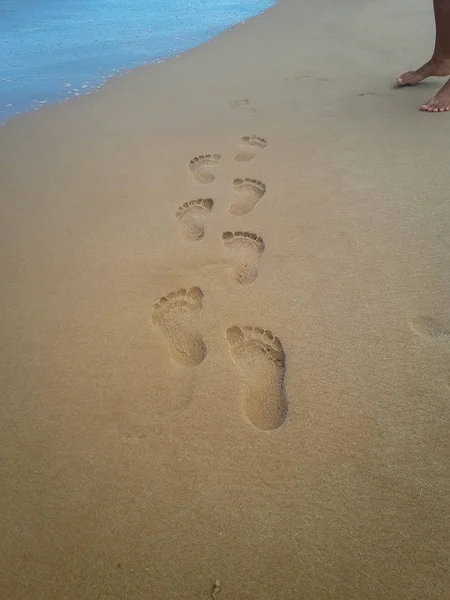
[
  {"x": 251, "y": 144},
  {"x": 197, "y": 166},
  {"x": 246, "y": 250},
  {"x": 248, "y": 193},
  {"x": 191, "y": 215},
  {"x": 428, "y": 327},
  {"x": 260, "y": 357},
  {"x": 175, "y": 316}
]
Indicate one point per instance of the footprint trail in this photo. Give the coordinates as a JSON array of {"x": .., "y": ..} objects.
[
  {"x": 175, "y": 315},
  {"x": 260, "y": 357},
  {"x": 246, "y": 250},
  {"x": 191, "y": 215},
  {"x": 250, "y": 145},
  {"x": 248, "y": 193},
  {"x": 197, "y": 167}
]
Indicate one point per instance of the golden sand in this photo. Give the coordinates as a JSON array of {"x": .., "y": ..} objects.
[{"x": 225, "y": 322}]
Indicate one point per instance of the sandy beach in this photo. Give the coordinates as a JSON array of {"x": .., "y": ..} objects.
[{"x": 279, "y": 422}]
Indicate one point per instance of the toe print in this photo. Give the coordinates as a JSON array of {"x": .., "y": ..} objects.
[
  {"x": 176, "y": 316},
  {"x": 191, "y": 216},
  {"x": 248, "y": 193},
  {"x": 245, "y": 250},
  {"x": 197, "y": 167},
  {"x": 250, "y": 146},
  {"x": 260, "y": 357}
]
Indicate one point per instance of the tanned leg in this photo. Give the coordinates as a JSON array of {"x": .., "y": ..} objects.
[{"x": 439, "y": 64}]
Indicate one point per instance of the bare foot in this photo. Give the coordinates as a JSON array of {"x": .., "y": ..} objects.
[
  {"x": 440, "y": 102},
  {"x": 431, "y": 68}
]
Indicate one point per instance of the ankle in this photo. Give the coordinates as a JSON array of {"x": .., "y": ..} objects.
[{"x": 440, "y": 60}]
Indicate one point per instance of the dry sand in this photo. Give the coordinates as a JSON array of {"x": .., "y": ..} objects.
[{"x": 127, "y": 475}]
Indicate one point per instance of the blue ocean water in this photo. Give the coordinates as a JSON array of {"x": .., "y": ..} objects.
[{"x": 51, "y": 50}]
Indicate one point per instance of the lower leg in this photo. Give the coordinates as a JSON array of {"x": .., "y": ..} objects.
[{"x": 442, "y": 19}]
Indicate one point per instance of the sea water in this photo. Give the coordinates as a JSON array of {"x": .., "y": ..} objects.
[{"x": 51, "y": 50}]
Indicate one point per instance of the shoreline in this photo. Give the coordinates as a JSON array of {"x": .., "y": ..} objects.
[
  {"x": 120, "y": 72},
  {"x": 131, "y": 475}
]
